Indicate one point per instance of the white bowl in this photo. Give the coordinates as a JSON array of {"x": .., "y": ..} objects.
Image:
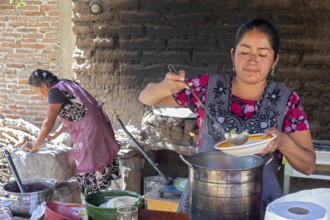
[{"x": 255, "y": 144}]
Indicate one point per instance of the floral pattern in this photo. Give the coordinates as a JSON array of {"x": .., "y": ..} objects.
[
  {"x": 275, "y": 96},
  {"x": 295, "y": 118},
  {"x": 219, "y": 89},
  {"x": 73, "y": 110},
  {"x": 99, "y": 180}
]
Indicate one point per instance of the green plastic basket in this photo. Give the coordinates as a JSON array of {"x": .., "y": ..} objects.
[{"x": 93, "y": 201}]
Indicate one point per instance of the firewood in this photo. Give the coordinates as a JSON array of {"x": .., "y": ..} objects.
[
  {"x": 20, "y": 124},
  {"x": 4, "y": 173},
  {"x": 9, "y": 138},
  {"x": 16, "y": 137}
]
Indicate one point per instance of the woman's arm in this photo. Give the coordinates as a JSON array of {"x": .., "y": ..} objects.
[
  {"x": 57, "y": 133},
  {"x": 47, "y": 126},
  {"x": 297, "y": 147},
  {"x": 295, "y": 141},
  {"x": 161, "y": 93}
]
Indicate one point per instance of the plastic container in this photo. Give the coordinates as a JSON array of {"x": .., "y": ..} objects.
[
  {"x": 92, "y": 202},
  {"x": 56, "y": 211},
  {"x": 153, "y": 182}
]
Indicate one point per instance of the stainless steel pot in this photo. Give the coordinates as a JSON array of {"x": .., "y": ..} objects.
[
  {"x": 36, "y": 191},
  {"x": 224, "y": 186}
]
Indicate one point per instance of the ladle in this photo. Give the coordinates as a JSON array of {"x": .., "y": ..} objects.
[
  {"x": 142, "y": 151},
  {"x": 237, "y": 139},
  {"x": 12, "y": 167}
]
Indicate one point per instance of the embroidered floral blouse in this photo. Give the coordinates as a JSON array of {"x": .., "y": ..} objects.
[{"x": 295, "y": 117}]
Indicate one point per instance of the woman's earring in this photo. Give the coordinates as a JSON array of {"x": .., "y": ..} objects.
[
  {"x": 272, "y": 73},
  {"x": 234, "y": 67}
]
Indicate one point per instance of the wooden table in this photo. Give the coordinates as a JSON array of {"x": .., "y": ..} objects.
[
  {"x": 162, "y": 215},
  {"x": 169, "y": 202}
]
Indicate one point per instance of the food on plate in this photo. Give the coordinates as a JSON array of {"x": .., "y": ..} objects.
[
  {"x": 255, "y": 144},
  {"x": 237, "y": 139}
]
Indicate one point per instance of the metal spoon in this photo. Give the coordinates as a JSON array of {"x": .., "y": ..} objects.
[
  {"x": 237, "y": 139},
  {"x": 12, "y": 167}
]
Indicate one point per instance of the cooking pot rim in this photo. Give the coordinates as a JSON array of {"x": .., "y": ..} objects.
[
  {"x": 194, "y": 160},
  {"x": 227, "y": 169},
  {"x": 50, "y": 183}
]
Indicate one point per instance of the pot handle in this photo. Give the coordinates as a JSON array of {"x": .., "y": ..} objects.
[
  {"x": 271, "y": 157},
  {"x": 54, "y": 181},
  {"x": 186, "y": 162},
  {"x": 191, "y": 166}
]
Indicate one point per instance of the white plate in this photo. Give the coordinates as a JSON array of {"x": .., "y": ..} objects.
[
  {"x": 255, "y": 144},
  {"x": 177, "y": 112}
]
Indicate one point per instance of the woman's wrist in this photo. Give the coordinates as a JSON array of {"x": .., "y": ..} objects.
[
  {"x": 56, "y": 134},
  {"x": 35, "y": 148},
  {"x": 166, "y": 89}
]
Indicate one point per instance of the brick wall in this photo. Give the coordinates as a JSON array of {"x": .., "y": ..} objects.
[
  {"x": 130, "y": 44},
  {"x": 29, "y": 39}
]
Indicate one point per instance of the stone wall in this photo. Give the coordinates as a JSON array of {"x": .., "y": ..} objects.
[{"x": 130, "y": 44}]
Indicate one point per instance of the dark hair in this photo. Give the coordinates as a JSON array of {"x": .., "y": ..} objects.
[
  {"x": 40, "y": 76},
  {"x": 262, "y": 26}
]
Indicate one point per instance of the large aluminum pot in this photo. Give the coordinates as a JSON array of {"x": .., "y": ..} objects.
[
  {"x": 225, "y": 187},
  {"x": 36, "y": 192}
]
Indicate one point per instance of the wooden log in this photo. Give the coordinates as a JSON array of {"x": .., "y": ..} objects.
[
  {"x": 16, "y": 137},
  {"x": 11, "y": 139},
  {"x": 20, "y": 124}
]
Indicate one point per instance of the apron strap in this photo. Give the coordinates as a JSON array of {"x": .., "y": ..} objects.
[{"x": 101, "y": 103}]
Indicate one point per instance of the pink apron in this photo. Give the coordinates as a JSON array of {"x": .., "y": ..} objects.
[{"x": 93, "y": 136}]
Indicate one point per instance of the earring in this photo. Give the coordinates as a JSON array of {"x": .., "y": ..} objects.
[
  {"x": 272, "y": 73},
  {"x": 234, "y": 67}
]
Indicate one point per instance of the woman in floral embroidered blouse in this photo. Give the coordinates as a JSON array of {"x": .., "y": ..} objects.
[
  {"x": 295, "y": 117},
  {"x": 245, "y": 100}
]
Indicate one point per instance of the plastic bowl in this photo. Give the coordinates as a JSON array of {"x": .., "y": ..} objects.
[
  {"x": 99, "y": 213},
  {"x": 57, "y": 211}
]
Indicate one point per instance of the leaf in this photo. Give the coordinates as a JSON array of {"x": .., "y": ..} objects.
[
  {"x": 232, "y": 131},
  {"x": 18, "y": 3},
  {"x": 245, "y": 132}
]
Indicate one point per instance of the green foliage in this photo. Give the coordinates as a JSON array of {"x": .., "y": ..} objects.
[{"x": 18, "y": 3}]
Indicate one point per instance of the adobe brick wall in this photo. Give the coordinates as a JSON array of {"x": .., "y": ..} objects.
[{"x": 130, "y": 44}]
